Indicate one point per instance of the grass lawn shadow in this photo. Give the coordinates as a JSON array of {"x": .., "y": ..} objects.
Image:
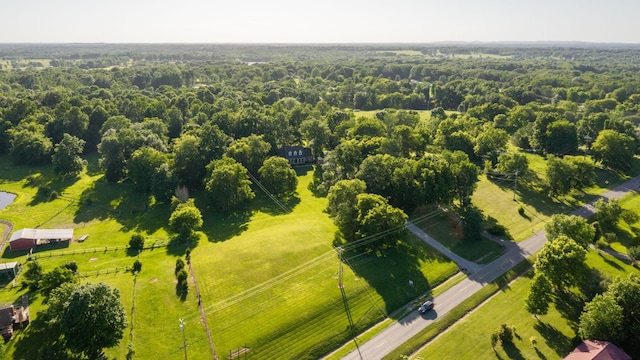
[
  {"x": 512, "y": 351},
  {"x": 402, "y": 263},
  {"x": 122, "y": 202},
  {"x": 218, "y": 227},
  {"x": 556, "y": 340},
  {"x": 267, "y": 205},
  {"x": 569, "y": 304}
]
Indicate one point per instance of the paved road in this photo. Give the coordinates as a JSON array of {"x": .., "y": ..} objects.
[{"x": 401, "y": 331}]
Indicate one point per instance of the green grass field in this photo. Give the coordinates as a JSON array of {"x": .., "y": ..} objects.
[
  {"x": 470, "y": 337},
  {"x": 267, "y": 280}
]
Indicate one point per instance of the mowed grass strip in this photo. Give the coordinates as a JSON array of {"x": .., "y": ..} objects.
[
  {"x": 470, "y": 338},
  {"x": 274, "y": 286}
]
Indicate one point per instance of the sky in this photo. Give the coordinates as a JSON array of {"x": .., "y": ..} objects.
[{"x": 327, "y": 21}]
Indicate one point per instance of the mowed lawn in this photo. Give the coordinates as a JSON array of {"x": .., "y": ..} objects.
[
  {"x": 470, "y": 338},
  {"x": 274, "y": 287},
  {"x": 268, "y": 281},
  {"x": 495, "y": 196},
  {"x": 628, "y": 227}
]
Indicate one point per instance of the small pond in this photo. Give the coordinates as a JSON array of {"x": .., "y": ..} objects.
[{"x": 6, "y": 199}]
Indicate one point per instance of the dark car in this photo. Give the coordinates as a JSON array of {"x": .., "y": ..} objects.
[{"x": 426, "y": 306}]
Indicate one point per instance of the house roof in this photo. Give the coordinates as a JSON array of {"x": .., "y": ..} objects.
[
  {"x": 36, "y": 234},
  {"x": 9, "y": 265},
  {"x": 6, "y": 316},
  {"x": 299, "y": 150},
  {"x": 597, "y": 350}
]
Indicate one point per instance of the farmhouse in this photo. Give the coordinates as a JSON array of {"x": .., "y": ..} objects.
[
  {"x": 12, "y": 316},
  {"x": 30, "y": 238},
  {"x": 9, "y": 270},
  {"x": 597, "y": 350},
  {"x": 297, "y": 155}
]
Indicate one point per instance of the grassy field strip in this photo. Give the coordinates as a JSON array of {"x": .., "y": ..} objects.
[
  {"x": 553, "y": 331},
  {"x": 437, "y": 327},
  {"x": 399, "y": 314}
]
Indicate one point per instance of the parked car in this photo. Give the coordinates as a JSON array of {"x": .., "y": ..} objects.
[{"x": 426, "y": 306}]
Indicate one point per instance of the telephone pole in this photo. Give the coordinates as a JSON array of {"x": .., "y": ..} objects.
[
  {"x": 184, "y": 339},
  {"x": 515, "y": 185}
]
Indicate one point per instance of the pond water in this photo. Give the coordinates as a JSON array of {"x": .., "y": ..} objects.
[{"x": 6, "y": 199}]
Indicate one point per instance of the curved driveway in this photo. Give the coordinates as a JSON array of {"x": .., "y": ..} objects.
[{"x": 401, "y": 331}]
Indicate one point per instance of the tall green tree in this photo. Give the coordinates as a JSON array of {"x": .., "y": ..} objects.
[
  {"x": 560, "y": 176},
  {"x": 561, "y": 137},
  {"x": 490, "y": 142},
  {"x": 376, "y": 217},
  {"x": 66, "y": 156},
  {"x": 89, "y": 316},
  {"x": 317, "y": 133},
  {"x": 465, "y": 174},
  {"x": 189, "y": 166},
  {"x": 607, "y": 213},
  {"x": 277, "y": 176},
  {"x": 250, "y": 151},
  {"x": 341, "y": 204},
  {"x": 574, "y": 227},
  {"x": 539, "y": 295},
  {"x": 185, "y": 218},
  {"x": 602, "y": 319},
  {"x": 228, "y": 185},
  {"x": 510, "y": 162},
  {"x": 614, "y": 150},
  {"x": 30, "y": 146},
  {"x": 143, "y": 163},
  {"x": 562, "y": 261}
]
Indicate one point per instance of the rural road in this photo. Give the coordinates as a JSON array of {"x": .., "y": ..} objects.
[{"x": 402, "y": 330}]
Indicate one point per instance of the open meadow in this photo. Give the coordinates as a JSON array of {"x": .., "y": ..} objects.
[{"x": 268, "y": 280}]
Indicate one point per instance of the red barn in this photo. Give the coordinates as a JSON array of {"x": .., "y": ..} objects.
[{"x": 29, "y": 238}]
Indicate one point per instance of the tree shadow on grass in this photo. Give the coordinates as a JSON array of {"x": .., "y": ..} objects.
[
  {"x": 130, "y": 208},
  {"x": 556, "y": 340},
  {"x": 512, "y": 351},
  {"x": 539, "y": 353},
  {"x": 401, "y": 262},
  {"x": 50, "y": 187},
  {"x": 220, "y": 227},
  {"x": 40, "y": 341},
  {"x": 569, "y": 304},
  {"x": 280, "y": 206}
]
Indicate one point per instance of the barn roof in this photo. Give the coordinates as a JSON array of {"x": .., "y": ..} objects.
[
  {"x": 9, "y": 265},
  {"x": 36, "y": 234}
]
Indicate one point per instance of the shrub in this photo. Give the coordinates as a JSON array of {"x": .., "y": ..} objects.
[
  {"x": 634, "y": 253},
  {"x": 521, "y": 210},
  {"x": 136, "y": 242},
  {"x": 611, "y": 237},
  {"x": 179, "y": 265},
  {"x": 533, "y": 340},
  {"x": 183, "y": 286},
  {"x": 137, "y": 266},
  {"x": 53, "y": 195},
  {"x": 182, "y": 275},
  {"x": 71, "y": 265},
  {"x": 504, "y": 334}
]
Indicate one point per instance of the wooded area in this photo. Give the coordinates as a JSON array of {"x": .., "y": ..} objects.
[{"x": 393, "y": 130}]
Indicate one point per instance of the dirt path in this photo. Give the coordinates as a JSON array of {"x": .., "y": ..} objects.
[{"x": 8, "y": 228}]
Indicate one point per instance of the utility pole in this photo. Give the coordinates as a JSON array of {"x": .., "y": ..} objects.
[
  {"x": 184, "y": 339},
  {"x": 515, "y": 185},
  {"x": 340, "y": 285}
]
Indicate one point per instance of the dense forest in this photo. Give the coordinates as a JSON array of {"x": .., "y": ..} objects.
[{"x": 170, "y": 110}]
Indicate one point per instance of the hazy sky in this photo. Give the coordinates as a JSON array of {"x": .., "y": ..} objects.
[{"x": 328, "y": 21}]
